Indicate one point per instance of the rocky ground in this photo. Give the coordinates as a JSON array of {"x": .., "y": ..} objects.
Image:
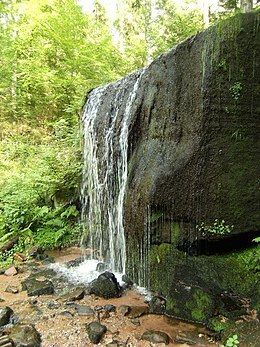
[{"x": 51, "y": 312}]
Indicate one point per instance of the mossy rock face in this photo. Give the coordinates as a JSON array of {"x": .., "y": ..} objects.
[{"x": 193, "y": 149}]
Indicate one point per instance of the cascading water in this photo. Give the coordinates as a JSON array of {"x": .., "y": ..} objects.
[{"x": 105, "y": 169}]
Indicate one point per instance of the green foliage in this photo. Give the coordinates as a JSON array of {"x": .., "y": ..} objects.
[
  {"x": 231, "y": 342},
  {"x": 235, "y": 90},
  {"x": 218, "y": 228},
  {"x": 39, "y": 185}
]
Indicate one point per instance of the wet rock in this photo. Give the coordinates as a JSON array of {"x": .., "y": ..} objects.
[
  {"x": 12, "y": 271},
  {"x": 110, "y": 308},
  {"x": 53, "y": 305},
  {"x": 74, "y": 295},
  {"x": 101, "y": 267},
  {"x": 106, "y": 286},
  {"x": 157, "y": 305},
  {"x": 35, "y": 252},
  {"x": 5, "y": 315},
  {"x": 25, "y": 335},
  {"x": 104, "y": 315},
  {"x": 96, "y": 331},
  {"x": 124, "y": 309},
  {"x": 136, "y": 321},
  {"x": 35, "y": 287},
  {"x": 84, "y": 310},
  {"x": 155, "y": 336},
  {"x": 12, "y": 289},
  {"x": 136, "y": 311},
  {"x": 66, "y": 314},
  {"x": 182, "y": 338},
  {"x": 127, "y": 280},
  {"x": 74, "y": 263}
]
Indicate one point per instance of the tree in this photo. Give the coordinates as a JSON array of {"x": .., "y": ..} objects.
[{"x": 246, "y": 5}]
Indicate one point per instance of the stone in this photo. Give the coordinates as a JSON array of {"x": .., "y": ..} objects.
[
  {"x": 35, "y": 252},
  {"x": 66, "y": 314},
  {"x": 12, "y": 289},
  {"x": 12, "y": 271},
  {"x": 84, "y": 310},
  {"x": 19, "y": 257},
  {"x": 110, "y": 308},
  {"x": 137, "y": 311},
  {"x": 124, "y": 309},
  {"x": 96, "y": 331},
  {"x": 74, "y": 295},
  {"x": 192, "y": 338},
  {"x": 25, "y": 335},
  {"x": 5, "y": 315},
  {"x": 37, "y": 288},
  {"x": 53, "y": 305},
  {"x": 106, "y": 286},
  {"x": 101, "y": 267},
  {"x": 157, "y": 305},
  {"x": 127, "y": 281},
  {"x": 155, "y": 336},
  {"x": 74, "y": 263}
]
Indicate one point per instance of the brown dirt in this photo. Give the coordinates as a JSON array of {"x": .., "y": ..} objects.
[{"x": 59, "y": 330}]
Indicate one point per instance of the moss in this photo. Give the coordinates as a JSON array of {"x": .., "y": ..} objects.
[
  {"x": 198, "y": 305},
  {"x": 217, "y": 325},
  {"x": 175, "y": 233}
]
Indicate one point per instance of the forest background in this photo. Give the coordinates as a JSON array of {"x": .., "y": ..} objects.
[{"x": 53, "y": 52}]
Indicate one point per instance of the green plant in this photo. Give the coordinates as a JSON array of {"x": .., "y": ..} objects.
[
  {"x": 231, "y": 342},
  {"x": 235, "y": 90},
  {"x": 218, "y": 228}
]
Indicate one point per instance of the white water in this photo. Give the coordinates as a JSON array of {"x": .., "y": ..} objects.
[{"x": 105, "y": 172}]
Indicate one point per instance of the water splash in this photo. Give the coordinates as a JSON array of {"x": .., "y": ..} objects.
[{"x": 105, "y": 169}]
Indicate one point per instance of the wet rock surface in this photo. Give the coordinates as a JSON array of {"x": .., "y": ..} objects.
[
  {"x": 25, "y": 335},
  {"x": 156, "y": 337},
  {"x": 5, "y": 315},
  {"x": 96, "y": 331},
  {"x": 106, "y": 286},
  {"x": 48, "y": 320}
]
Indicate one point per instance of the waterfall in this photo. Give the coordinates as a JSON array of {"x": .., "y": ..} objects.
[{"x": 106, "y": 124}]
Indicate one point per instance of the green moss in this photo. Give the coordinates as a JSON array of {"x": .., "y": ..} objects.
[
  {"x": 217, "y": 325},
  {"x": 155, "y": 216},
  {"x": 175, "y": 232},
  {"x": 198, "y": 305}
]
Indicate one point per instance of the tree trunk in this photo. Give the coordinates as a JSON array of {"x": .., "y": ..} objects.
[
  {"x": 9, "y": 244},
  {"x": 246, "y": 5}
]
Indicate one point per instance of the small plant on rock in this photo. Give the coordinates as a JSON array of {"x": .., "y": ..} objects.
[
  {"x": 218, "y": 228},
  {"x": 231, "y": 342}
]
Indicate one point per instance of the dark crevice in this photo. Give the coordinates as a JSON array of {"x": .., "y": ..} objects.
[{"x": 223, "y": 245}]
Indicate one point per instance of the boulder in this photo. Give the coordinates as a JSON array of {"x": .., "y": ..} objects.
[
  {"x": 5, "y": 315},
  {"x": 106, "y": 286},
  {"x": 155, "y": 336},
  {"x": 96, "y": 331},
  {"x": 157, "y": 305},
  {"x": 12, "y": 271},
  {"x": 35, "y": 287},
  {"x": 25, "y": 335}
]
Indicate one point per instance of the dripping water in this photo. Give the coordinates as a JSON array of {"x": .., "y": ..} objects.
[{"x": 105, "y": 171}]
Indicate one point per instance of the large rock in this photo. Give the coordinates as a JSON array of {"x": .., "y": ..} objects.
[
  {"x": 25, "y": 335},
  {"x": 193, "y": 145},
  {"x": 106, "y": 286},
  {"x": 96, "y": 331},
  {"x": 35, "y": 287},
  {"x": 5, "y": 315}
]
